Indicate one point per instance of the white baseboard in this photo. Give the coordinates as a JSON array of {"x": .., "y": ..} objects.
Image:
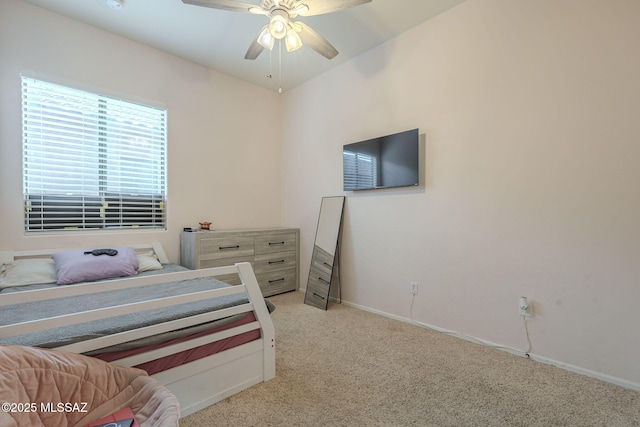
[{"x": 545, "y": 360}]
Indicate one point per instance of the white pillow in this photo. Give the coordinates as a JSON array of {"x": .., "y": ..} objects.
[
  {"x": 148, "y": 262},
  {"x": 27, "y": 272}
]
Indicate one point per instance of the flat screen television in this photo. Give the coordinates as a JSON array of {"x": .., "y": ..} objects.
[{"x": 383, "y": 162}]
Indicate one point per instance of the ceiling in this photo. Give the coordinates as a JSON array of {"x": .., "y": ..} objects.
[{"x": 219, "y": 39}]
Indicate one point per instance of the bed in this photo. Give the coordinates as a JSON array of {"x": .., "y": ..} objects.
[{"x": 201, "y": 338}]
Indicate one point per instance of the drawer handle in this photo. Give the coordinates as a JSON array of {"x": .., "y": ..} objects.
[
  {"x": 275, "y": 243},
  {"x": 318, "y": 295},
  {"x": 224, "y": 248},
  {"x": 328, "y": 265},
  {"x": 276, "y": 262},
  {"x": 276, "y": 280},
  {"x": 322, "y": 280}
]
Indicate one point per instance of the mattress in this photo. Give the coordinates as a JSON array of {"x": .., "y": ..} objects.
[{"x": 75, "y": 333}]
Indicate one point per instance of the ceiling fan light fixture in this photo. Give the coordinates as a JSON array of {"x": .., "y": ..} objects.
[
  {"x": 265, "y": 38},
  {"x": 278, "y": 27},
  {"x": 292, "y": 41}
]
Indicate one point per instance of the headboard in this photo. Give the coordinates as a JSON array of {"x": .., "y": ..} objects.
[{"x": 8, "y": 256}]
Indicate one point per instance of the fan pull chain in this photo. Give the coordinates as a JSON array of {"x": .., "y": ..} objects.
[
  {"x": 280, "y": 66},
  {"x": 270, "y": 75}
]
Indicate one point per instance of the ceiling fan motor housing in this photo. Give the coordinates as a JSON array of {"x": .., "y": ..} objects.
[{"x": 282, "y": 4}]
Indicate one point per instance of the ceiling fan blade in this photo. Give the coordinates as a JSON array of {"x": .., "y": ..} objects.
[
  {"x": 230, "y": 5},
  {"x": 254, "y": 50},
  {"x": 315, "y": 41},
  {"x": 327, "y": 6}
]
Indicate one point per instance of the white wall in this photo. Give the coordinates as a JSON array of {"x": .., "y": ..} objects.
[
  {"x": 223, "y": 134},
  {"x": 530, "y": 111}
]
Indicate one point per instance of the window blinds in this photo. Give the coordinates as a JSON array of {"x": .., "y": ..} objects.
[
  {"x": 91, "y": 161},
  {"x": 360, "y": 170}
]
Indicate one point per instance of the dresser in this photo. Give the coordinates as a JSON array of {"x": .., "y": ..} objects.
[{"x": 274, "y": 254}]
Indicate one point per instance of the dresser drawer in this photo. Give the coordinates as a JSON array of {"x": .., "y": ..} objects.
[
  {"x": 321, "y": 257},
  {"x": 276, "y": 242},
  {"x": 319, "y": 276},
  {"x": 273, "y": 262},
  {"x": 226, "y": 247},
  {"x": 223, "y": 262},
  {"x": 321, "y": 268},
  {"x": 277, "y": 282},
  {"x": 232, "y": 279},
  {"x": 316, "y": 294}
]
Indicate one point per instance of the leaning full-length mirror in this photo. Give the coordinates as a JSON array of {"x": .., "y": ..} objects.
[{"x": 324, "y": 257}]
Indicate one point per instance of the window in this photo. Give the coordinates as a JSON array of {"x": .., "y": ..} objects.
[{"x": 90, "y": 161}]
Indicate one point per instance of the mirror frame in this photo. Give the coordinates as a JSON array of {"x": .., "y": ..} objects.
[{"x": 324, "y": 264}]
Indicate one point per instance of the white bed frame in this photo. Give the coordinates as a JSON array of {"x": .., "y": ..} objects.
[{"x": 197, "y": 384}]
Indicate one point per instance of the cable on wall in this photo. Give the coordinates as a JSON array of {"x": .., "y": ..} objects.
[
  {"x": 526, "y": 332},
  {"x": 470, "y": 338}
]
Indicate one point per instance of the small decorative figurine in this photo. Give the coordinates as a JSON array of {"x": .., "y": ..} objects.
[{"x": 205, "y": 225}]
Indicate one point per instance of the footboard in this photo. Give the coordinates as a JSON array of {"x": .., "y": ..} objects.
[
  {"x": 211, "y": 379},
  {"x": 199, "y": 383}
]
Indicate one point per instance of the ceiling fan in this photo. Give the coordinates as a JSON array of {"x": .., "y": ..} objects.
[{"x": 281, "y": 26}]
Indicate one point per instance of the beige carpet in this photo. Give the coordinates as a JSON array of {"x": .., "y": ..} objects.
[{"x": 347, "y": 367}]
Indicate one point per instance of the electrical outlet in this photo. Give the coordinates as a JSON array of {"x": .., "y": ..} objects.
[
  {"x": 413, "y": 288},
  {"x": 525, "y": 306}
]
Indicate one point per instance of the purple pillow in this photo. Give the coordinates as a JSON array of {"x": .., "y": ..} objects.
[{"x": 74, "y": 266}]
